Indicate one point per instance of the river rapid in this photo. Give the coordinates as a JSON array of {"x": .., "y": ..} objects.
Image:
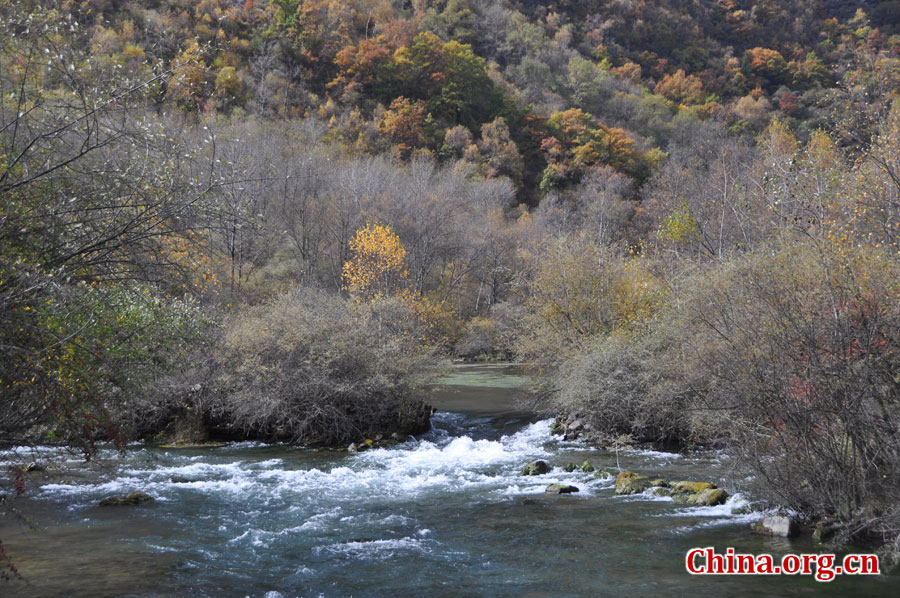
[{"x": 443, "y": 515}]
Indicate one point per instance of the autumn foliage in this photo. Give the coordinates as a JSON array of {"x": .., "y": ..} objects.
[{"x": 377, "y": 267}]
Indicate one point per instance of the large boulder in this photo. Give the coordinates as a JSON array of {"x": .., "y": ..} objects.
[
  {"x": 536, "y": 468},
  {"x": 776, "y": 525},
  {"x": 629, "y": 482},
  {"x": 710, "y": 497},
  {"x": 134, "y": 498},
  {"x": 560, "y": 489}
]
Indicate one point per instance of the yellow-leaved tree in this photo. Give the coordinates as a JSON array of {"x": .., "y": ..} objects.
[{"x": 377, "y": 268}]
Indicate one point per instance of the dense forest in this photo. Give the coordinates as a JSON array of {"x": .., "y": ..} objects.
[{"x": 276, "y": 220}]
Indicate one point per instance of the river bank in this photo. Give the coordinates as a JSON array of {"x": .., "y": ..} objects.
[{"x": 446, "y": 514}]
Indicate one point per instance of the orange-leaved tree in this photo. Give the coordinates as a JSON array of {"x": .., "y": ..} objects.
[{"x": 377, "y": 267}]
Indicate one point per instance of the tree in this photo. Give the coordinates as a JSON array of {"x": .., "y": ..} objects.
[
  {"x": 499, "y": 151},
  {"x": 767, "y": 66},
  {"x": 404, "y": 125},
  {"x": 579, "y": 142},
  {"x": 681, "y": 88},
  {"x": 94, "y": 207},
  {"x": 377, "y": 266}
]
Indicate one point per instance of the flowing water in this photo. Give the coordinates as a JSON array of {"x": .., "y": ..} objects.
[{"x": 444, "y": 515}]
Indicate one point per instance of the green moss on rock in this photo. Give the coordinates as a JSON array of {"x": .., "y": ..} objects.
[
  {"x": 686, "y": 487},
  {"x": 536, "y": 468},
  {"x": 710, "y": 497},
  {"x": 628, "y": 482}
]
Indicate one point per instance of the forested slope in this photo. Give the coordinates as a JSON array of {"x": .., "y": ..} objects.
[{"x": 273, "y": 219}]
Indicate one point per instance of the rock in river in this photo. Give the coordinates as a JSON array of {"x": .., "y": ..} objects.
[
  {"x": 536, "y": 468},
  {"x": 710, "y": 497},
  {"x": 629, "y": 482},
  {"x": 135, "y": 498},
  {"x": 560, "y": 489},
  {"x": 691, "y": 487},
  {"x": 776, "y": 525}
]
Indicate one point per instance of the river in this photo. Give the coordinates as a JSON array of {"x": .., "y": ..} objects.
[{"x": 443, "y": 515}]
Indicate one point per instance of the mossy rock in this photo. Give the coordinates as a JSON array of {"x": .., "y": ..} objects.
[
  {"x": 135, "y": 498},
  {"x": 710, "y": 497},
  {"x": 560, "y": 489},
  {"x": 691, "y": 487},
  {"x": 683, "y": 499},
  {"x": 536, "y": 468},
  {"x": 604, "y": 474},
  {"x": 570, "y": 467},
  {"x": 659, "y": 483},
  {"x": 586, "y": 467},
  {"x": 659, "y": 491},
  {"x": 557, "y": 428},
  {"x": 628, "y": 482}
]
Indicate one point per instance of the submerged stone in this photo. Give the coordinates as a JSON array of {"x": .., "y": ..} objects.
[
  {"x": 748, "y": 508},
  {"x": 604, "y": 474},
  {"x": 135, "y": 498},
  {"x": 776, "y": 525},
  {"x": 560, "y": 489},
  {"x": 536, "y": 468}
]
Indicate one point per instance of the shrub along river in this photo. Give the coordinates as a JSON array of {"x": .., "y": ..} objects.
[{"x": 444, "y": 515}]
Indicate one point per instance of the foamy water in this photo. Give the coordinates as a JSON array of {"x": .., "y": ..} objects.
[{"x": 444, "y": 515}]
